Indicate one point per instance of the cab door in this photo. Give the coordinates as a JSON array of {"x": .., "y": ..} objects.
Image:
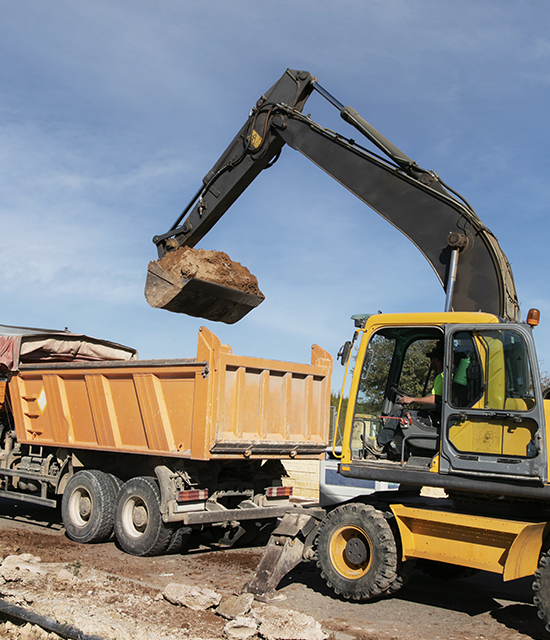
[{"x": 492, "y": 415}]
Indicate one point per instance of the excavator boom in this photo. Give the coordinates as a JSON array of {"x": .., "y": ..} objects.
[{"x": 464, "y": 254}]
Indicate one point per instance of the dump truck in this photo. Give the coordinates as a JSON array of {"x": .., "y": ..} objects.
[
  {"x": 482, "y": 441},
  {"x": 154, "y": 449}
]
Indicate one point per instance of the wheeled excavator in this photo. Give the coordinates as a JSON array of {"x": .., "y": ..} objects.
[{"x": 482, "y": 443}]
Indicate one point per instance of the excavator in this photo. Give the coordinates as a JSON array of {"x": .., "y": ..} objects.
[{"x": 472, "y": 464}]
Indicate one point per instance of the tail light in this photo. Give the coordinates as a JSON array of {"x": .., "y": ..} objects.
[
  {"x": 278, "y": 492},
  {"x": 192, "y": 495}
]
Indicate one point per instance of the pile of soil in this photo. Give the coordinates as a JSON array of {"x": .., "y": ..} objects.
[{"x": 212, "y": 266}]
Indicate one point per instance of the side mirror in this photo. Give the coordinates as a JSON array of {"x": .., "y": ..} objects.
[{"x": 343, "y": 354}]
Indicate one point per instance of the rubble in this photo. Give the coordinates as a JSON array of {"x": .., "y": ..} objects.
[
  {"x": 56, "y": 591},
  {"x": 235, "y": 606},
  {"x": 241, "y": 628},
  {"x": 284, "y": 624},
  {"x": 116, "y": 609},
  {"x": 191, "y": 596},
  {"x": 212, "y": 266}
]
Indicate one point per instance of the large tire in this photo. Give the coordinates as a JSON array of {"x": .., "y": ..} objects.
[
  {"x": 356, "y": 552},
  {"x": 116, "y": 482},
  {"x": 541, "y": 587},
  {"x": 404, "y": 573},
  {"x": 139, "y": 527},
  {"x": 87, "y": 506},
  {"x": 178, "y": 541}
]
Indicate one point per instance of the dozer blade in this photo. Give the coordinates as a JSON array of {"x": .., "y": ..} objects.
[{"x": 196, "y": 297}]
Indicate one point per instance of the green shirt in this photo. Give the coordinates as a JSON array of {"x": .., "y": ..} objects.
[
  {"x": 438, "y": 385},
  {"x": 459, "y": 377}
]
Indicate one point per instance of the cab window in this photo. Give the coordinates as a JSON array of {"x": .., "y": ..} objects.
[{"x": 491, "y": 370}]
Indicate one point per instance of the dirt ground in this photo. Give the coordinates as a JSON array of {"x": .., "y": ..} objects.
[{"x": 101, "y": 590}]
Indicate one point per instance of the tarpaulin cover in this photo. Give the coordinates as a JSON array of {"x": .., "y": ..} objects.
[{"x": 58, "y": 347}]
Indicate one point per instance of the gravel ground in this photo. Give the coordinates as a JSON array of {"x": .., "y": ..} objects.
[{"x": 103, "y": 591}]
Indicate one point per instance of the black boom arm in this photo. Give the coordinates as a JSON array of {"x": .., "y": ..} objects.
[{"x": 464, "y": 254}]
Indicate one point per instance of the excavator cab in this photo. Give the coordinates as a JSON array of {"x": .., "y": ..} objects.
[
  {"x": 496, "y": 425},
  {"x": 490, "y": 425}
]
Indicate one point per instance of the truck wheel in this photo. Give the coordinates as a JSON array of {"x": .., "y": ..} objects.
[
  {"x": 541, "y": 587},
  {"x": 116, "y": 482},
  {"x": 356, "y": 552},
  {"x": 87, "y": 506},
  {"x": 178, "y": 541},
  {"x": 139, "y": 527}
]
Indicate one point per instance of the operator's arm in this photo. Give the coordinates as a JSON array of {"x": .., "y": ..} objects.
[{"x": 425, "y": 401}]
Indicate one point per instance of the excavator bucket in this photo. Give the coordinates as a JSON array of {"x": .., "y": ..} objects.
[{"x": 202, "y": 284}]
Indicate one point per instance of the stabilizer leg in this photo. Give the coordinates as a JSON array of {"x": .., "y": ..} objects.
[{"x": 284, "y": 551}]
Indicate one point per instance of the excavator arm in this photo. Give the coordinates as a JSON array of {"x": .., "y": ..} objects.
[
  {"x": 464, "y": 254},
  {"x": 255, "y": 147}
]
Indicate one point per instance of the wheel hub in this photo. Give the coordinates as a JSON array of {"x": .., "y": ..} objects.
[
  {"x": 139, "y": 517},
  {"x": 84, "y": 507},
  {"x": 356, "y": 551}
]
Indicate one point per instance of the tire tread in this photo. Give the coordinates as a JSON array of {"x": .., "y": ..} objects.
[
  {"x": 101, "y": 522},
  {"x": 383, "y": 574},
  {"x": 156, "y": 538}
]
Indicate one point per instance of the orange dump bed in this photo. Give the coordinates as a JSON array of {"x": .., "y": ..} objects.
[{"x": 218, "y": 405}]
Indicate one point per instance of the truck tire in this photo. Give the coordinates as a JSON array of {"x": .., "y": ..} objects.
[
  {"x": 139, "y": 527},
  {"x": 178, "y": 541},
  {"x": 87, "y": 506},
  {"x": 541, "y": 587},
  {"x": 356, "y": 552},
  {"x": 116, "y": 482}
]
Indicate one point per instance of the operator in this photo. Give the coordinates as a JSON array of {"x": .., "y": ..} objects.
[
  {"x": 436, "y": 364},
  {"x": 431, "y": 401}
]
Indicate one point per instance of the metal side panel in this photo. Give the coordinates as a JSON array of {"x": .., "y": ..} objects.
[{"x": 265, "y": 406}]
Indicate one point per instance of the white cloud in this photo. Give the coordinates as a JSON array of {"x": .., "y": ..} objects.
[{"x": 111, "y": 114}]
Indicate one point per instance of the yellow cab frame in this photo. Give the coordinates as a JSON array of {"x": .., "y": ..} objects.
[{"x": 493, "y": 444}]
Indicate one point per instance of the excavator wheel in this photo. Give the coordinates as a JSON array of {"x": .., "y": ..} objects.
[
  {"x": 541, "y": 587},
  {"x": 357, "y": 552}
]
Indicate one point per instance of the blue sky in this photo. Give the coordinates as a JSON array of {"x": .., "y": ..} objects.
[{"x": 111, "y": 113}]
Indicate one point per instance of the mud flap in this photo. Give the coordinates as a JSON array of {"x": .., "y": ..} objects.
[
  {"x": 284, "y": 551},
  {"x": 197, "y": 298}
]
